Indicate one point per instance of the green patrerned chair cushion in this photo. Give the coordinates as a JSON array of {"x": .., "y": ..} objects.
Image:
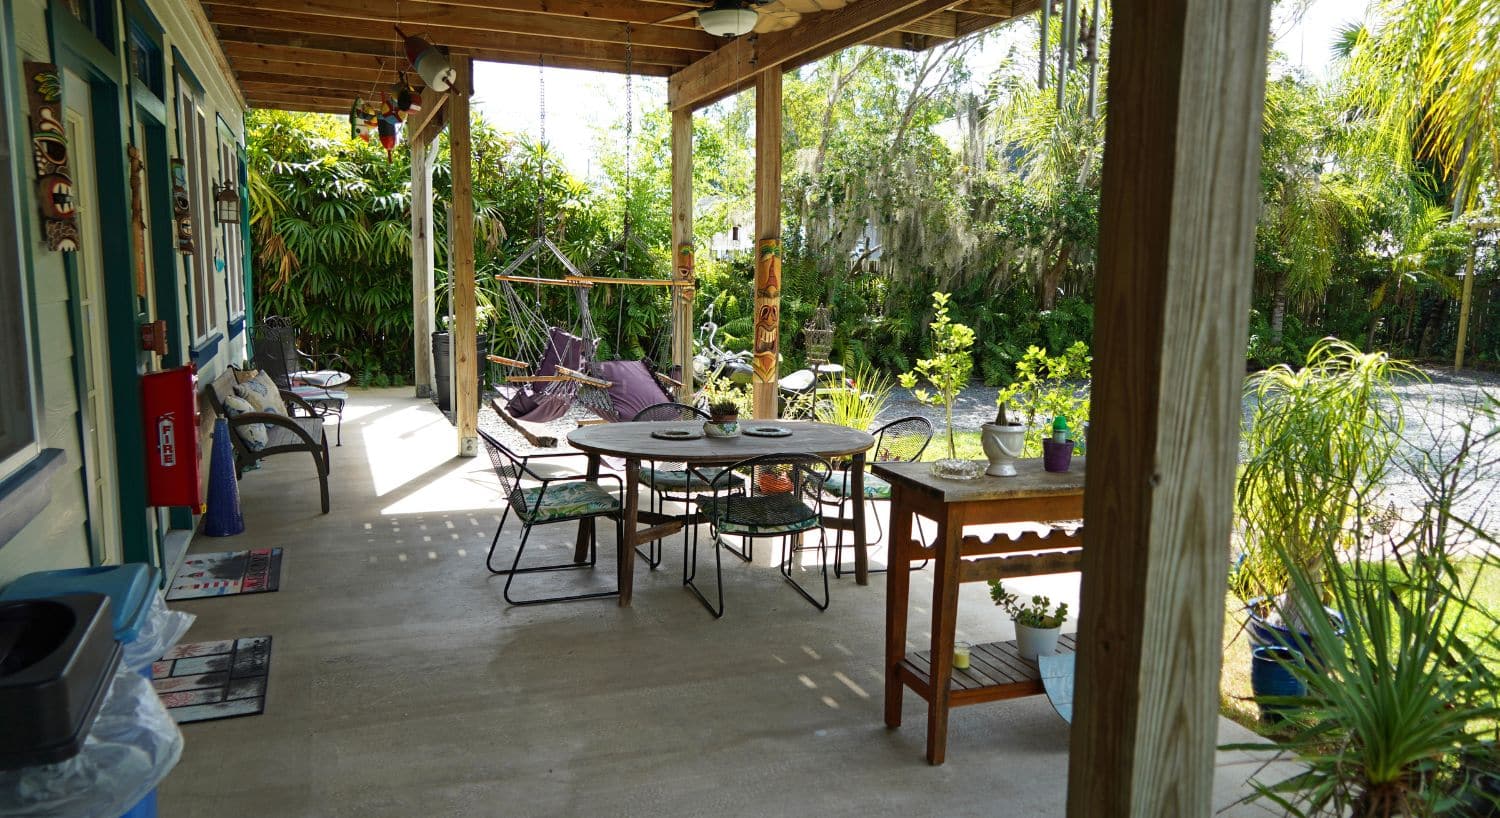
[
  {"x": 679, "y": 479},
  {"x": 839, "y": 485},
  {"x": 562, "y": 500},
  {"x": 763, "y": 515}
]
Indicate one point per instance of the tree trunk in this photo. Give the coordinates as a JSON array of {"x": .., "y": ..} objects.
[
  {"x": 1278, "y": 309},
  {"x": 1052, "y": 277}
]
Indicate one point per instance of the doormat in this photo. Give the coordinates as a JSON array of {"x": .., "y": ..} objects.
[
  {"x": 203, "y": 681},
  {"x": 226, "y": 573}
]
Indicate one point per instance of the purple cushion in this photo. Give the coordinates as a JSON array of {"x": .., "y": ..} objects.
[
  {"x": 634, "y": 389},
  {"x": 563, "y": 349}
]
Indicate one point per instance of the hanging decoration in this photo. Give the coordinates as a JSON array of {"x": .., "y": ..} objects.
[
  {"x": 49, "y": 152},
  {"x": 430, "y": 63},
  {"x": 386, "y": 126},
  {"x": 408, "y": 101},
  {"x": 138, "y": 216},
  {"x": 363, "y": 121},
  {"x": 182, "y": 209}
]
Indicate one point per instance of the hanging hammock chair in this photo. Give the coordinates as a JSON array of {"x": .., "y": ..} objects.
[{"x": 557, "y": 366}]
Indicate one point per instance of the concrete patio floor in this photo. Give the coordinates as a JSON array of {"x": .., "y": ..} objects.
[{"x": 402, "y": 684}]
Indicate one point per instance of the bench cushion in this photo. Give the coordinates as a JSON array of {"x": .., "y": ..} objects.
[
  {"x": 562, "y": 500},
  {"x": 757, "y": 516},
  {"x": 253, "y": 435},
  {"x": 281, "y": 436},
  {"x": 839, "y": 485},
  {"x": 262, "y": 394}
]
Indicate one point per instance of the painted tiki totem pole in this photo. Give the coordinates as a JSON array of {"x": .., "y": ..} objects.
[{"x": 49, "y": 152}]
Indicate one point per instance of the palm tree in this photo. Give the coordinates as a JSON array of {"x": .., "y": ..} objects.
[{"x": 1424, "y": 72}]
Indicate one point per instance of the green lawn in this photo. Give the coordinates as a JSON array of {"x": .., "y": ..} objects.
[
  {"x": 1234, "y": 687},
  {"x": 967, "y": 444}
]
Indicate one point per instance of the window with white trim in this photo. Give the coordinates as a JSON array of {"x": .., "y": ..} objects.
[
  {"x": 233, "y": 242},
  {"x": 18, "y": 415},
  {"x": 192, "y": 129}
]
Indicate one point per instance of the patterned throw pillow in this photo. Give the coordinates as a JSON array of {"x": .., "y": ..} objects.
[
  {"x": 253, "y": 435},
  {"x": 262, "y": 394}
]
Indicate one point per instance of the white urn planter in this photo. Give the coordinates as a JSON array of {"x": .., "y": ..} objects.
[
  {"x": 1003, "y": 445},
  {"x": 1033, "y": 642}
]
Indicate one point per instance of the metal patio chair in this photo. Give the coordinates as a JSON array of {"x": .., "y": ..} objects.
[
  {"x": 762, "y": 497},
  {"x": 568, "y": 498},
  {"x": 669, "y": 481},
  {"x": 901, "y": 441},
  {"x": 292, "y": 370}
]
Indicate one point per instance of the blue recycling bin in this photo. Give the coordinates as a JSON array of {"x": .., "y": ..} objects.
[{"x": 131, "y": 590}]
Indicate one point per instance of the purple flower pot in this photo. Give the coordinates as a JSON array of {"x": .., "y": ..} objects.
[{"x": 1056, "y": 456}]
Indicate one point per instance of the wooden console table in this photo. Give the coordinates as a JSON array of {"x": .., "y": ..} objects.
[{"x": 996, "y": 671}]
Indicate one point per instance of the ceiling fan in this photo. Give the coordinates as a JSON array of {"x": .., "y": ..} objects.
[{"x": 731, "y": 18}]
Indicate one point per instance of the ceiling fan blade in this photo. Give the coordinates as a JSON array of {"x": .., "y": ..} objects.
[
  {"x": 686, "y": 15},
  {"x": 776, "y": 21}
]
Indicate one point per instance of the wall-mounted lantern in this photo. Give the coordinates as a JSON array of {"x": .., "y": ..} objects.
[{"x": 226, "y": 203}]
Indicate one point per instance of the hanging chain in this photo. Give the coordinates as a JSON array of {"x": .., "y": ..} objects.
[
  {"x": 541, "y": 141},
  {"x": 629, "y": 132}
]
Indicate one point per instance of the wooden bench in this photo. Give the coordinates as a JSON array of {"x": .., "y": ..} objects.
[{"x": 284, "y": 434}]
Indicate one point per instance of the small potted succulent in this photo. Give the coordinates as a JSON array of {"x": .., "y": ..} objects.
[
  {"x": 723, "y": 419},
  {"x": 1038, "y": 622}
]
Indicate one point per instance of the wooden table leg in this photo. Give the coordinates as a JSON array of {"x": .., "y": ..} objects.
[
  {"x": 586, "y": 525},
  {"x": 861, "y": 542},
  {"x": 897, "y": 600},
  {"x": 627, "y": 548},
  {"x": 944, "y": 619}
]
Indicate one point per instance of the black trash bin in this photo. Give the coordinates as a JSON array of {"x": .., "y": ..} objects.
[{"x": 441, "y": 344}]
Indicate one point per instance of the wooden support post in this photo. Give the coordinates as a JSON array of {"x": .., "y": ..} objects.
[
  {"x": 422, "y": 155},
  {"x": 1176, "y": 237},
  {"x": 767, "y": 344},
  {"x": 682, "y": 245},
  {"x": 461, "y": 262}
]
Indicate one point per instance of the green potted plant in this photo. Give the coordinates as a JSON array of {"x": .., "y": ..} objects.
[
  {"x": 1318, "y": 446},
  {"x": 948, "y": 372},
  {"x": 723, "y": 419},
  {"x": 1038, "y": 622},
  {"x": 1046, "y": 387}
]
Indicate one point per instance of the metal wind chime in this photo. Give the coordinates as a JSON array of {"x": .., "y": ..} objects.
[{"x": 1080, "y": 31}]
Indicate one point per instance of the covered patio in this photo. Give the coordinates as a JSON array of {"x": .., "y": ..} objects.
[
  {"x": 397, "y": 648},
  {"x": 402, "y": 684}
]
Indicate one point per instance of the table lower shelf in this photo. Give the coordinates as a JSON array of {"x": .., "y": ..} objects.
[{"x": 996, "y": 671}]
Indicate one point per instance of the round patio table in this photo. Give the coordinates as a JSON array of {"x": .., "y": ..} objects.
[{"x": 634, "y": 443}]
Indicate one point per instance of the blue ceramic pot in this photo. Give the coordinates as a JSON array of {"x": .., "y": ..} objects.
[{"x": 1272, "y": 674}]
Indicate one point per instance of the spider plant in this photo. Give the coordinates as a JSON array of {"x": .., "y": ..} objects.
[{"x": 857, "y": 400}]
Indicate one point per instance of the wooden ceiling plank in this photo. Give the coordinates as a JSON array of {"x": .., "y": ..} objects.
[
  {"x": 364, "y": 83},
  {"x": 321, "y": 60},
  {"x": 942, "y": 24},
  {"x": 419, "y": 17},
  {"x": 378, "y": 39},
  {"x": 720, "y": 73}
]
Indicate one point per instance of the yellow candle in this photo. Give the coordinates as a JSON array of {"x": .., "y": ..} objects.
[{"x": 961, "y": 655}]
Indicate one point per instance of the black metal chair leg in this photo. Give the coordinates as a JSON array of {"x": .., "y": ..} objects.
[
  {"x": 653, "y": 553},
  {"x": 689, "y": 575},
  {"x": 747, "y": 555},
  {"x": 789, "y": 557},
  {"x": 515, "y": 569},
  {"x": 838, "y": 545}
]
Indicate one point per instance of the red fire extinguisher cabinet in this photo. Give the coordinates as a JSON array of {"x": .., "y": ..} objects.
[{"x": 170, "y": 403}]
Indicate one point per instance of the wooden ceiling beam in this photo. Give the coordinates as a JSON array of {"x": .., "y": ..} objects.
[
  {"x": 379, "y": 40},
  {"x": 314, "y": 88},
  {"x": 299, "y": 102},
  {"x": 718, "y": 75},
  {"x": 420, "y": 17},
  {"x": 942, "y": 24},
  {"x": 616, "y": 11},
  {"x": 322, "y": 55},
  {"x": 259, "y": 70},
  {"x": 376, "y": 81}
]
